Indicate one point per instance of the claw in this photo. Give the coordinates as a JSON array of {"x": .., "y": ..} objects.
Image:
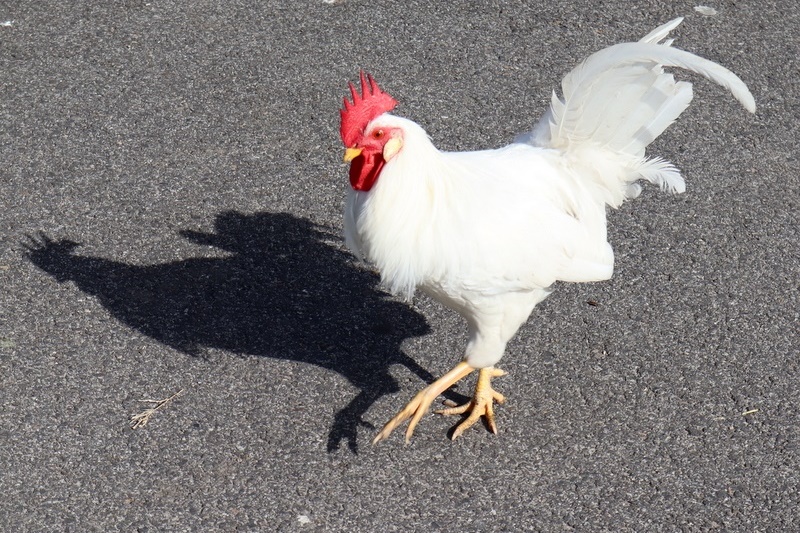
[
  {"x": 419, "y": 405},
  {"x": 481, "y": 403}
]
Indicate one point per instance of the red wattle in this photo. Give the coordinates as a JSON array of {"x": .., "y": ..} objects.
[{"x": 364, "y": 171}]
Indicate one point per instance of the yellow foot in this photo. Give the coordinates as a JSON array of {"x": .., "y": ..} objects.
[
  {"x": 479, "y": 405},
  {"x": 416, "y": 408}
]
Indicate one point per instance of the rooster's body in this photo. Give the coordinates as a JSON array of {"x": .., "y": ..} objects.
[{"x": 487, "y": 233}]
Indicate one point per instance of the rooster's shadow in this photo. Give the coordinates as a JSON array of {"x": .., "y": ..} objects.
[{"x": 282, "y": 292}]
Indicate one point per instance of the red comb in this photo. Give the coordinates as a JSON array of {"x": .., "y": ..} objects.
[{"x": 371, "y": 103}]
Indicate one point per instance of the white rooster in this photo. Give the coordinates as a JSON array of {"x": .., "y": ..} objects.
[{"x": 488, "y": 233}]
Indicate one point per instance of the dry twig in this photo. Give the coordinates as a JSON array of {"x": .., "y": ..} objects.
[{"x": 141, "y": 419}]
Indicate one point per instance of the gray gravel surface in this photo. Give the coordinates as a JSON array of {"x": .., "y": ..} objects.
[{"x": 170, "y": 195}]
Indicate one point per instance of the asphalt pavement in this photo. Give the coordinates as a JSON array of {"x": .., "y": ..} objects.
[{"x": 171, "y": 189}]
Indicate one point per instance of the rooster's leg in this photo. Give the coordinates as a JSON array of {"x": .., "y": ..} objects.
[
  {"x": 416, "y": 408},
  {"x": 480, "y": 404}
]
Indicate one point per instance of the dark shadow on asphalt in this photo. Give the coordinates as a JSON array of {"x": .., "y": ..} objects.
[{"x": 282, "y": 292}]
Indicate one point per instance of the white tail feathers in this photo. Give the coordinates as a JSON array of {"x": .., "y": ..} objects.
[
  {"x": 619, "y": 100},
  {"x": 660, "y": 33}
]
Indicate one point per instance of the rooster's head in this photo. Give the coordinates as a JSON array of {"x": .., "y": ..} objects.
[{"x": 369, "y": 145}]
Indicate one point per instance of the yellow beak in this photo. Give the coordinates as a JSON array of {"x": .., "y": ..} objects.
[{"x": 351, "y": 153}]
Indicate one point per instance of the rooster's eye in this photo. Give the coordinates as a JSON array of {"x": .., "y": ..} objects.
[{"x": 377, "y": 134}]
